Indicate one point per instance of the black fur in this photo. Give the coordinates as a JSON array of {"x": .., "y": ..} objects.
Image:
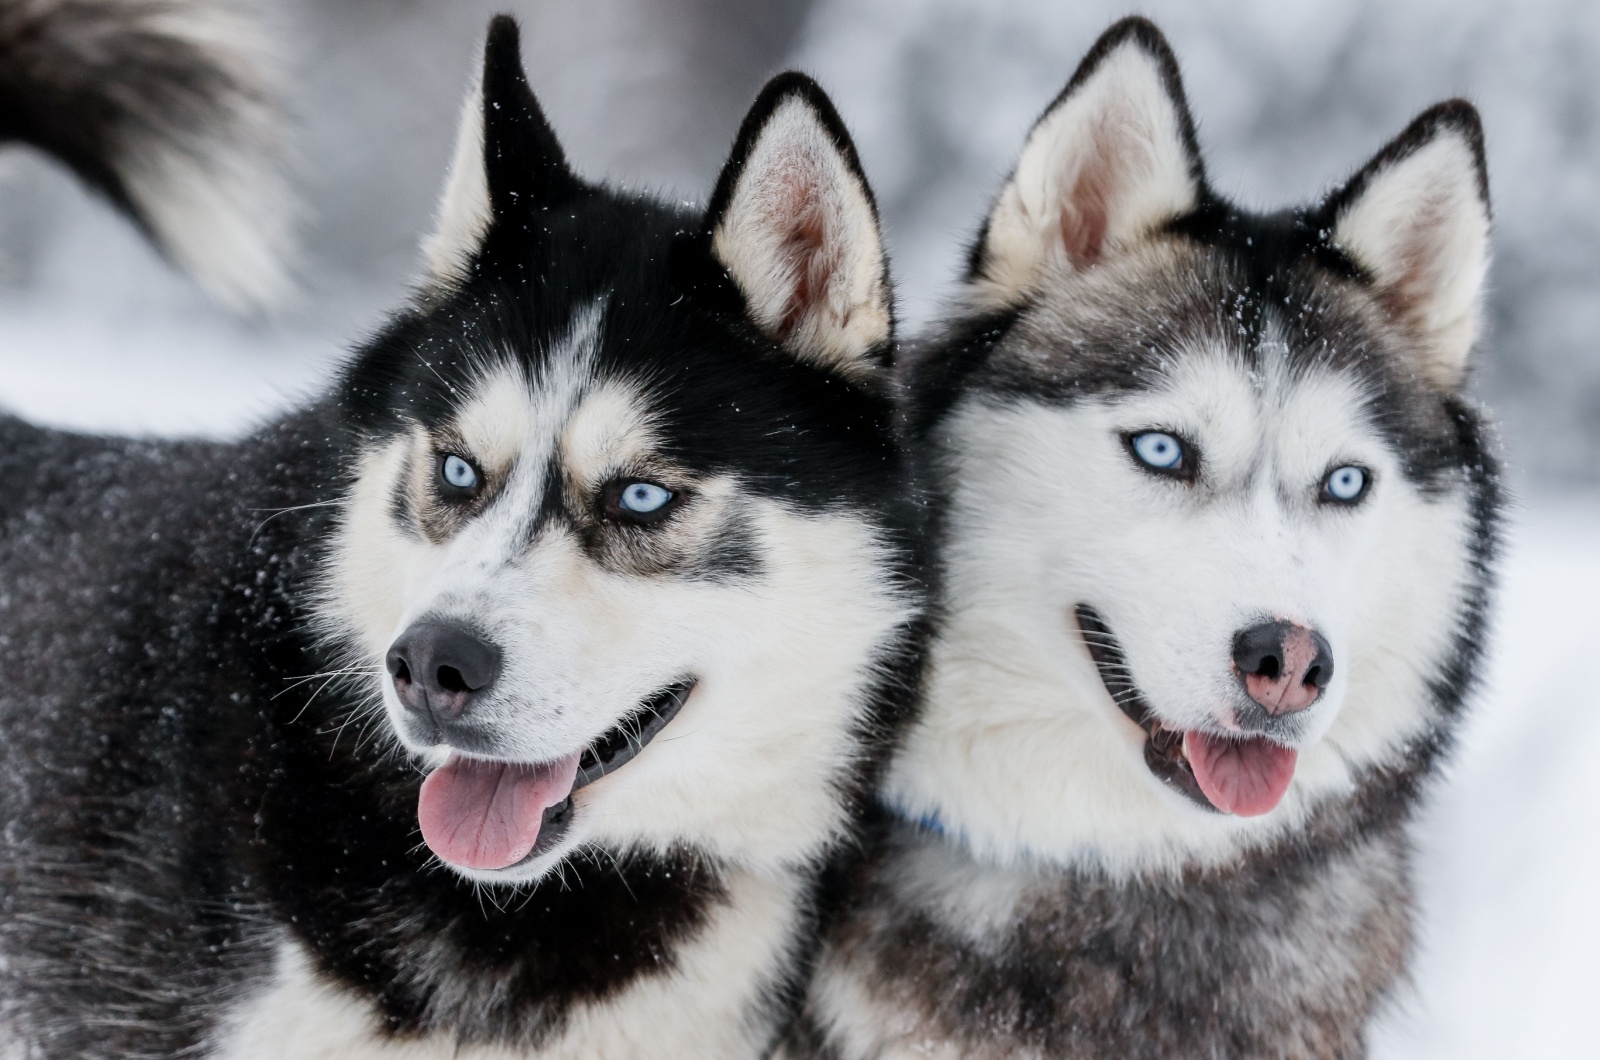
[{"x": 174, "y": 797}]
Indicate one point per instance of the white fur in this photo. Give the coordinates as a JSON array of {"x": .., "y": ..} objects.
[
  {"x": 463, "y": 215},
  {"x": 697, "y": 1009},
  {"x": 217, "y": 199},
  {"x": 1422, "y": 228},
  {"x": 861, "y": 1025},
  {"x": 977, "y": 904},
  {"x": 745, "y": 771},
  {"x": 1101, "y": 169},
  {"x": 1021, "y": 752},
  {"x": 799, "y": 210}
]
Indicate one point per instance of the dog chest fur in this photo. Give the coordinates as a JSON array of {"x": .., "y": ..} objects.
[
  {"x": 697, "y": 1006},
  {"x": 1280, "y": 958}
]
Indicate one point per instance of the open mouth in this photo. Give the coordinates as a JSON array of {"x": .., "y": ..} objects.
[
  {"x": 482, "y": 813},
  {"x": 1242, "y": 775}
]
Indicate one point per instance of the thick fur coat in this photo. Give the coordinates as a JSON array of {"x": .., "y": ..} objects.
[
  {"x": 1163, "y": 428},
  {"x": 641, "y": 454}
]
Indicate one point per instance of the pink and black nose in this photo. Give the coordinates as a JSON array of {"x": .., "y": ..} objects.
[
  {"x": 440, "y": 668},
  {"x": 1283, "y": 667}
]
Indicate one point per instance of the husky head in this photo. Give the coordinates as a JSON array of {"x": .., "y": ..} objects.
[
  {"x": 1217, "y": 515},
  {"x": 621, "y": 552}
]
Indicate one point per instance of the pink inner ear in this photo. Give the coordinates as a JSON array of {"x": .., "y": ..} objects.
[
  {"x": 1418, "y": 281},
  {"x": 802, "y": 215},
  {"x": 1086, "y": 206}
]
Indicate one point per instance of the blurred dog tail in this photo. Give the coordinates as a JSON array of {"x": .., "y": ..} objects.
[{"x": 172, "y": 109}]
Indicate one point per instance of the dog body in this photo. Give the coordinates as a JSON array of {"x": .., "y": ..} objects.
[
  {"x": 596, "y": 564},
  {"x": 1217, "y": 530}
]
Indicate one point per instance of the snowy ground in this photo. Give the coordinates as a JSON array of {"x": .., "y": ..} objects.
[{"x": 1510, "y": 870}]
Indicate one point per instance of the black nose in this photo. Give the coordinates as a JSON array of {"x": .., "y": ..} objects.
[
  {"x": 1283, "y": 666},
  {"x": 439, "y": 668}
]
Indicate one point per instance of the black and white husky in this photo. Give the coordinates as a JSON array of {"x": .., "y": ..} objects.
[
  {"x": 597, "y": 567},
  {"x": 1217, "y": 531}
]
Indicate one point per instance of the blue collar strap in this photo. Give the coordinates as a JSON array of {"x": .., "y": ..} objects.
[{"x": 928, "y": 822}]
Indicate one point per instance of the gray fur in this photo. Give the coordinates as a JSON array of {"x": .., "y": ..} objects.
[
  {"x": 173, "y": 110},
  {"x": 1278, "y": 957},
  {"x": 1278, "y": 938}
]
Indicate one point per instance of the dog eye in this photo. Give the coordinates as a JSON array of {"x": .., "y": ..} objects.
[
  {"x": 1345, "y": 485},
  {"x": 638, "y": 501},
  {"x": 458, "y": 473},
  {"x": 1161, "y": 452},
  {"x": 642, "y": 498}
]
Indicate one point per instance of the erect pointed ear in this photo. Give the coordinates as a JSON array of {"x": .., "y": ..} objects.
[
  {"x": 1416, "y": 218},
  {"x": 793, "y": 222},
  {"x": 1112, "y": 159},
  {"x": 507, "y": 164}
]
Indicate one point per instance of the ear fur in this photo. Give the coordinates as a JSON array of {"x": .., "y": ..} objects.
[
  {"x": 1111, "y": 159},
  {"x": 793, "y": 222},
  {"x": 1416, "y": 218},
  {"x": 507, "y": 163}
]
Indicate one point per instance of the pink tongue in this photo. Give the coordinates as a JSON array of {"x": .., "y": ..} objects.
[
  {"x": 1245, "y": 777},
  {"x": 486, "y": 815}
]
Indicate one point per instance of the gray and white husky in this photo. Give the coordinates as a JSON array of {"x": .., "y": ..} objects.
[
  {"x": 505, "y": 702},
  {"x": 1217, "y": 534}
]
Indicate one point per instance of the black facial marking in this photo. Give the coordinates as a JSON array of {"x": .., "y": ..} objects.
[{"x": 1267, "y": 249}]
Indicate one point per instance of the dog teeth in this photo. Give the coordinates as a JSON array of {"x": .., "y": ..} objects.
[{"x": 1165, "y": 740}]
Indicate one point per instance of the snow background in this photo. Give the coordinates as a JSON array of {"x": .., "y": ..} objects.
[{"x": 97, "y": 332}]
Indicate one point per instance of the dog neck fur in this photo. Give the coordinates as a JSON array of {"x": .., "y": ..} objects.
[
  {"x": 794, "y": 223},
  {"x": 1110, "y": 161}
]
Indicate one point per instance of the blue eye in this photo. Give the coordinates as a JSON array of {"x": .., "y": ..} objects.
[
  {"x": 457, "y": 473},
  {"x": 643, "y": 498},
  {"x": 1160, "y": 452},
  {"x": 1345, "y": 485}
]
